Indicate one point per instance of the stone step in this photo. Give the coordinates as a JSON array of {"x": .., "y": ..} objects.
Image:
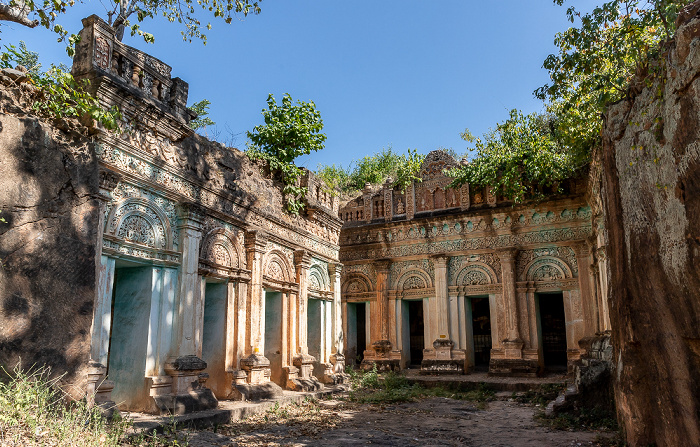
[
  {"x": 473, "y": 381},
  {"x": 227, "y": 411}
]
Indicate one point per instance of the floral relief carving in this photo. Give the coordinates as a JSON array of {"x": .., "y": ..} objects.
[
  {"x": 135, "y": 228},
  {"x": 414, "y": 282},
  {"x": 474, "y": 277},
  {"x": 547, "y": 269}
]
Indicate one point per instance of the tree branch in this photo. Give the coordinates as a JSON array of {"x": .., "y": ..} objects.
[{"x": 17, "y": 13}]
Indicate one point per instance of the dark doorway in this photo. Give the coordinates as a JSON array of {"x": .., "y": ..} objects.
[
  {"x": 360, "y": 331},
  {"x": 481, "y": 330},
  {"x": 273, "y": 334},
  {"x": 553, "y": 330},
  {"x": 416, "y": 333},
  {"x": 128, "y": 345},
  {"x": 214, "y": 337}
]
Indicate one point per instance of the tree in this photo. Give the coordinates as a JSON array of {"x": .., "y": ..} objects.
[
  {"x": 521, "y": 157},
  {"x": 33, "y": 13},
  {"x": 374, "y": 169},
  {"x": 596, "y": 62},
  {"x": 290, "y": 131},
  {"x": 201, "y": 108}
]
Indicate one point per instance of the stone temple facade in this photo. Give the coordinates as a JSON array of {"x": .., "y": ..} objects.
[
  {"x": 205, "y": 289},
  {"x": 455, "y": 280},
  {"x": 158, "y": 270}
]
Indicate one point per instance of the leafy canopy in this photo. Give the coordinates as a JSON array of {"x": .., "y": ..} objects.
[
  {"x": 290, "y": 131},
  {"x": 519, "y": 158},
  {"x": 201, "y": 108},
  {"x": 128, "y": 14},
  {"x": 373, "y": 169},
  {"x": 596, "y": 62}
]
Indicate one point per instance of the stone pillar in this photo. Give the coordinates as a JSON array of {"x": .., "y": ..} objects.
[
  {"x": 303, "y": 362},
  {"x": 443, "y": 359},
  {"x": 337, "y": 358},
  {"x": 588, "y": 299},
  {"x": 381, "y": 353},
  {"x": 410, "y": 201},
  {"x": 102, "y": 313},
  {"x": 388, "y": 200},
  {"x": 511, "y": 361},
  {"x": 189, "y": 287},
  {"x": 464, "y": 199},
  {"x": 367, "y": 200},
  {"x": 256, "y": 365}
]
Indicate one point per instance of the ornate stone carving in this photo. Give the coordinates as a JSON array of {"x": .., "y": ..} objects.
[
  {"x": 136, "y": 228},
  {"x": 318, "y": 276},
  {"x": 289, "y": 231},
  {"x": 277, "y": 267},
  {"x": 465, "y": 244},
  {"x": 565, "y": 253},
  {"x": 547, "y": 268},
  {"x": 142, "y": 222},
  {"x": 102, "y": 52},
  {"x": 223, "y": 249}
]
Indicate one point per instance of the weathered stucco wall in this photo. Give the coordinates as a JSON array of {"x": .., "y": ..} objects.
[
  {"x": 48, "y": 180},
  {"x": 651, "y": 200}
]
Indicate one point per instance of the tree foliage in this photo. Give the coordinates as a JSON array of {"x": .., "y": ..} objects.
[
  {"x": 60, "y": 95},
  {"x": 373, "y": 169},
  {"x": 128, "y": 14},
  {"x": 290, "y": 131},
  {"x": 201, "y": 108},
  {"x": 520, "y": 158},
  {"x": 596, "y": 62}
]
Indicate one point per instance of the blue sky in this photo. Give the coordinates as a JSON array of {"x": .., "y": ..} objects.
[{"x": 399, "y": 73}]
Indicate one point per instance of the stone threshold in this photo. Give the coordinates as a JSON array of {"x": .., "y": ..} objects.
[
  {"x": 472, "y": 381},
  {"x": 226, "y": 412}
]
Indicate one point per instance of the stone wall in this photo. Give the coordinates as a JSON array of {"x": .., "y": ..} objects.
[
  {"x": 651, "y": 203},
  {"x": 48, "y": 182}
]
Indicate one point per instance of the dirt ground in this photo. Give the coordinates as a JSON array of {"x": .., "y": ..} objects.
[{"x": 430, "y": 422}]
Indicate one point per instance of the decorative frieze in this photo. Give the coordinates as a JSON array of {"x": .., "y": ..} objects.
[{"x": 457, "y": 245}]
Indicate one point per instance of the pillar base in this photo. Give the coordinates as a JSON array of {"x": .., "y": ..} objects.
[
  {"x": 99, "y": 389},
  {"x": 443, "y": 359},
  {"x": 188, "y": 392},
  {"x": 297, "y": 383},
  {"x": 335, "y": 371},
  {"x": 513, "y": 367},
  {"x": 382, "y": 357},
  {"x": 257, "y": 367}
]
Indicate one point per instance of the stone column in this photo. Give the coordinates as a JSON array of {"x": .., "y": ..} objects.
[
  {"x": 588, "y": 301},
  {"x": 513, "y": 344},
  {"x": 256, "y": 365},
  {"x": 189, "y": 286},
  {"x": 102, "y": 313},
  {"x": 441, "y": 296},
  {"x": 443, "y": 359},
  {"x": 367, "y": 200},
  {"x": 337, "y": 358},
  {"x": 184, "y": 366},
  {"x": 379, "y": 320},
  {"x": 303, "y": 361},
  {"x": 511, "y": 360}
]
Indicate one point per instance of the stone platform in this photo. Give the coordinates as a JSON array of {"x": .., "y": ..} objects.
[
  {"x": 473, "y": 380},
  {"x": 227, "y": 411}
]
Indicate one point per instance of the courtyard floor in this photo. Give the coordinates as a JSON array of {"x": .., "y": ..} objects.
[{"x": 435, "y": 421}]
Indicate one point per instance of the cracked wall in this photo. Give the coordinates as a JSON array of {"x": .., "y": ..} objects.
[{"x": 651, "y": 201}]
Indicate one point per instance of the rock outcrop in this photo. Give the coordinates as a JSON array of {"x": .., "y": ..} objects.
[
  {"x": 651, "y": 202},
  {"x": 49, "y": 181}
]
